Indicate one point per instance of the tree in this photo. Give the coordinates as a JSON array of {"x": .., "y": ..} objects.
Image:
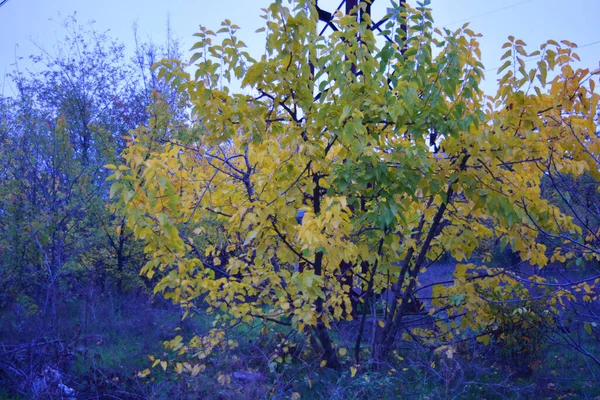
[
  {"x": 64, "y": 123},
  {"x": 388, "y": 151}
]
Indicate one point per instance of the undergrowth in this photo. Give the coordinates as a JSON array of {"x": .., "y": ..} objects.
[{"x": 106, "y": 358}]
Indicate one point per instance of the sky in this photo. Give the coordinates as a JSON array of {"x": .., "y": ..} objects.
[{"x": 26, "y": 25}]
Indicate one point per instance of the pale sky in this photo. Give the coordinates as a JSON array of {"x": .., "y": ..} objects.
[{"x": 25, "y": 22}]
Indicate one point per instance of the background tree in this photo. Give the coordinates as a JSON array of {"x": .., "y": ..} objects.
[{"x": 64, "y": 253}]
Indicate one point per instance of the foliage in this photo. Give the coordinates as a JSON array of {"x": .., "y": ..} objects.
[
  {"x": 349, "y": 201},
  {"x": 387, "y": 150},
  {"x": 61, "y": 243}
]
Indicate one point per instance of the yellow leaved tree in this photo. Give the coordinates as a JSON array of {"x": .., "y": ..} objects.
[{"x": 343, "y": 168}]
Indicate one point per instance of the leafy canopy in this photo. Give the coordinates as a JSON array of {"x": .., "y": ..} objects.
[{"x": 390, "y": 149}]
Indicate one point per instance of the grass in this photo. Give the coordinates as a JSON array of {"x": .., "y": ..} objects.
[{"x": 113, "y": 347}]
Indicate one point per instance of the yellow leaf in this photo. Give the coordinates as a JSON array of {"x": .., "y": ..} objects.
[
  {"x": 485, "y": 339},
  {"x": 352, "y": 371},
  {"x": 323, "y": 363},
  {"x": 144, "y": 373},
  {"x": 224, "y": 379},
  {"x": 163, "y": 364},
  {"x": 343, "y": 351},
  {"x": 460, "y": 271},
  {"x": 196, "y": 369},
  {"x": 381, "y": 324}
]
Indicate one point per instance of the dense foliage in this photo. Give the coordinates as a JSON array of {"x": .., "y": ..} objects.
[
  {"x": 62, "y": 248},
  {"x": 346, "y": 216},
  {"x": 387, "y": 153}
]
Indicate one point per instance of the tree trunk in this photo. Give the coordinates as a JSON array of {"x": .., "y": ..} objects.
[
  {"x": 321, "y": 330},
  {"x": 386, "y": 336}
]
